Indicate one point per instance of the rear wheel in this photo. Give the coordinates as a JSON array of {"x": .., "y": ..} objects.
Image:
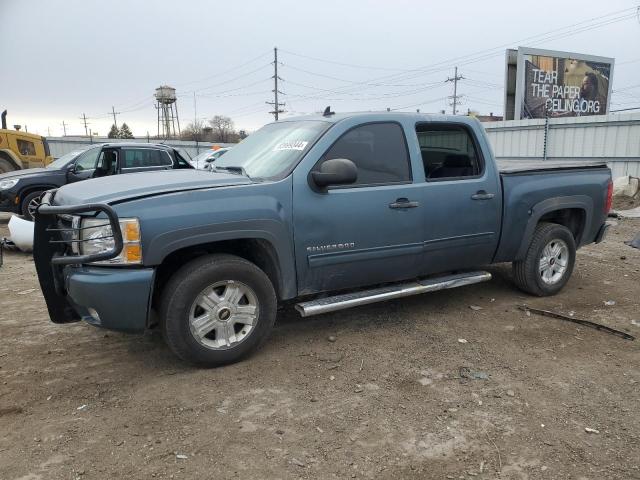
[
  {"x": 29, "y": 204},
  {"x": 549, "y": 261},
  {"x": 217, "y": 309}
]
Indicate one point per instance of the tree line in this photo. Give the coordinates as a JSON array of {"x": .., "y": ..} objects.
[
  {"x": 123, "y": 132},
  {"x": 217, "y": 129}
]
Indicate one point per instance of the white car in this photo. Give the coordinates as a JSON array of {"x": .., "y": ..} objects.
[{"x": 204, "y": 160}]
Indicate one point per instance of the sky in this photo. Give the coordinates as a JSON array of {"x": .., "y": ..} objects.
[{"x": 65, "y": 58}]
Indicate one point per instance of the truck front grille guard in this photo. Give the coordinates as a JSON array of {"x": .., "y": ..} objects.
[{"x": 46, "y": 208}]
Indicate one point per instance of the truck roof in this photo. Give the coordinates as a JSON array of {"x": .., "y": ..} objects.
[
  {"x": 384, "y": 115},
  {"x": 135, "y": 144}
]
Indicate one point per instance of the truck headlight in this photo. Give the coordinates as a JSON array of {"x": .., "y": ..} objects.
[
  {"x": 7, "y": 184},
  {"x": 97, "y": 237}
]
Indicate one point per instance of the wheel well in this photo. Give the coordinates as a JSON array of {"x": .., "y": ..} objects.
[
  {"x": 258, "y": 251},
  {"x": 34, "y": 188},
  {"x": 5, "y": 156},
  {"x": 572, "y": 218},
  {"x": 31, "y": 189}
]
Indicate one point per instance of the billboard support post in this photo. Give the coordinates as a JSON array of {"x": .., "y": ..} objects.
[{"x": 546, "y": 134}]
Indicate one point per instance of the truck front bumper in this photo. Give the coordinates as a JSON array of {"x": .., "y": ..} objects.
[
  {"x": 117, "y": 298},
  {"x": 108, "y": 297}
]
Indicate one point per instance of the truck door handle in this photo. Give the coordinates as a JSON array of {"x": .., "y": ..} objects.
[
  {"x": 482, "y": 195},
  {"x": 403, "y": 203}
]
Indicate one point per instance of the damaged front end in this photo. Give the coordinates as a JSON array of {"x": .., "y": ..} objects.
[{"x": 57, "y": 235}]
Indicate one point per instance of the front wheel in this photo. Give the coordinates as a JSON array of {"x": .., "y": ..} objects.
[
  {"x": 29, "y": 205},
  {"x": 217, "y": 309},
  {"x": 549, "y": 261}
]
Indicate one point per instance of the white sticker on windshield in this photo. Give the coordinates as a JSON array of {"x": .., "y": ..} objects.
[{"x": 292, "y": 145}]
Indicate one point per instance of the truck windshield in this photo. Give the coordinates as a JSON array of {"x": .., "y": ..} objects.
[{"x": 274, "y": 149}]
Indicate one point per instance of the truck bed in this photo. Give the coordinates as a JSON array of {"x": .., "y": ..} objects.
[
  {"x": 529, "y": 166},
  {"x": 530, "y": 187}
]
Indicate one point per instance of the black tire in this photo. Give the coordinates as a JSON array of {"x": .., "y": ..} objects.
[
  {"x": 24, "y": 206},
  {"x": 527, "y": 273},
  {"x": 6, "y": 166},
  {"x": 189, "y": 282}
]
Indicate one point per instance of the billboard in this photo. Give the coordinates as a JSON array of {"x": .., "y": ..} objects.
[{"x": 560, "y": 84}]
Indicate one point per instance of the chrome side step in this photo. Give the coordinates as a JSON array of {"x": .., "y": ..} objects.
[{"x": 348, "y": 300}]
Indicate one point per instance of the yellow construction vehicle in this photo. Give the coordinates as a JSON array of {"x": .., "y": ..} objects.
[{"x": 20, "y": 150}]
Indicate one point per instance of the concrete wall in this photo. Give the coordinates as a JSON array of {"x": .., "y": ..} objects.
[
  {"x": 62, "y": 145},
  {"x": 613, "y": 138}
]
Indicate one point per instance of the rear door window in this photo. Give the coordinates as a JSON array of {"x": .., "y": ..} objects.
[
  {"x": 379, "y": 150},
  {"x": 145, "y": 158},
  {"x": 448, "y": 152}
]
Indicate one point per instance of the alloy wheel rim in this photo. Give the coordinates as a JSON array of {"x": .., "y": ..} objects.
[
  {"x": 223, "y": 315},
  {"x": 33, "y": 206},
  {"x": 554, "y": 260}
]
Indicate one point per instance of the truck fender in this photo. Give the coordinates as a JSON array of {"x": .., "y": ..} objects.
[
  {"x": 9, "y": 156},
  {"x": 579, "y": 202},
  {"x": 164, "y": 245}
]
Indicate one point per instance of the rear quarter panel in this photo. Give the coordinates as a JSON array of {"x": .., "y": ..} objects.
[{"x": 527, "y": 196}]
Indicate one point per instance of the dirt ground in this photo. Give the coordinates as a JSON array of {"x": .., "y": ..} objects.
[
  {"x": 626, "y": 203},
  {"x": 386, "y": 399}
]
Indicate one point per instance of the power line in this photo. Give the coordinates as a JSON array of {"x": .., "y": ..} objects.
[
  {"x": 585, "y": 25},
  {"x": 215, "y": 94},
  {"x": 629, "y": 13},
  {"x": 224, "y": 72},
  {"x": 367, "y": 98},
  {"x": 344, "y": 64},
  {"x": 232, "y": 79}
]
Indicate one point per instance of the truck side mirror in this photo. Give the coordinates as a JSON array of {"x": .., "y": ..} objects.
[{"x": 337, "y": 171}]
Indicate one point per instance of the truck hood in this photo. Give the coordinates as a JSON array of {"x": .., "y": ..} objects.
[{"x": 115, "y": 189}]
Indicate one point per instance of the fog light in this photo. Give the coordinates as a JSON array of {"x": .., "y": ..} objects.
[{"x": 93, "y": 313}]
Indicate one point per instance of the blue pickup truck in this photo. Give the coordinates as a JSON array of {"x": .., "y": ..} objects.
[{"x": 326, "y": 212}]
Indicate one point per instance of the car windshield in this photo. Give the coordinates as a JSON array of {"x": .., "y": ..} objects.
[
  {"x": 274, "y": 149},
  {"x": 64, "y": 160}
]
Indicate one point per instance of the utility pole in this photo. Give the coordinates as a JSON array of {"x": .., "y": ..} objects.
[
  {"x": 455, "y": 96},
  {"x": 196, "y": 129},
  {"x": 64, "y": 128},
  {"x": 113, "y": 110},
  {"x": 276, "y": 104},
  {"x": 84, "y": 120}
]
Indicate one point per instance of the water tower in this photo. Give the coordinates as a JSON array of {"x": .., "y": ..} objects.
[{"x": 167, "y": 112}]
